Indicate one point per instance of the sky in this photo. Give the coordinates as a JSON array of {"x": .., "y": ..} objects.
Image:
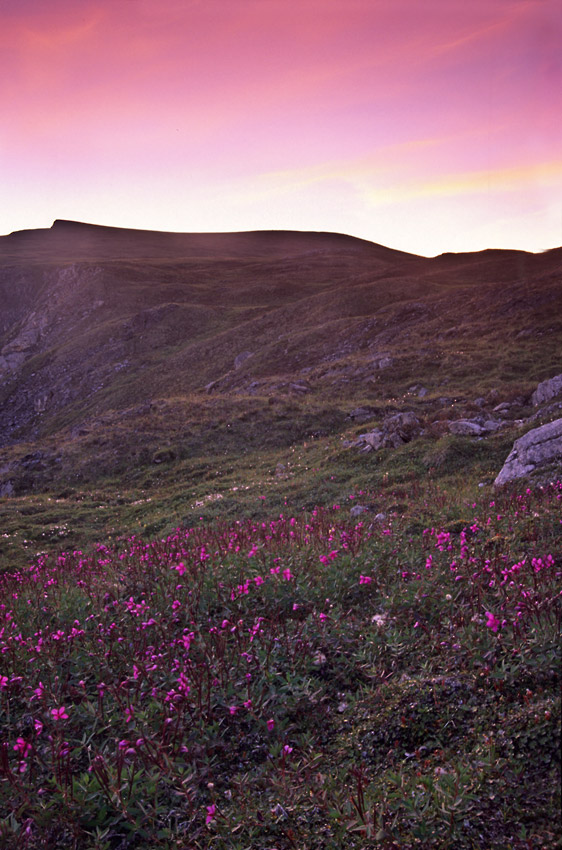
[{"x": 423, "y": 125}]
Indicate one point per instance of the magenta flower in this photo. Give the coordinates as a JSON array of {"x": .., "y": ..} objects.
[
  {"x": 270, "y": 724},
  {"x": 22, "y": 747},
  {"x": 365, "y": 579},
  {"x": 492, "y": 622},
  {"x": 59, "y": 713},
  {"x": 210, "y": 813}
]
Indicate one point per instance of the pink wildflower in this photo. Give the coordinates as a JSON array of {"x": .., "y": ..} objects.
[
  {"x": 59, "y": 713},
  {"x": 492, "y": 622},
  {"x": 22, "y": 747},
  {"x": 270, "y": 724},
  {"x": 210, "y": 813},
  {"x": 365, "y": 579}
]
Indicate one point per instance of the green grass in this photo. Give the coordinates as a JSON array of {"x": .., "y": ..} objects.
[{"x": 342, "y": 682}]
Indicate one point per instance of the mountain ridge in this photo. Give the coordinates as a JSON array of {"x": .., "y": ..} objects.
[{"x": 103, "y": 242}]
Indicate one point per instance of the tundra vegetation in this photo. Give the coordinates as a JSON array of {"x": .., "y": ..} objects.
[
  {"x": 311, "y": 680},
  {"x": 257, "y": 588}
]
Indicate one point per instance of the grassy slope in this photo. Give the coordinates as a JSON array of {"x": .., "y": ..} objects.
[
  {"x": 436, "y": 735},
  {"x": 126, "y": 347}
]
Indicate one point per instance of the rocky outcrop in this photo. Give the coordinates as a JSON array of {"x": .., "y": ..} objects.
[
  {"x": 547, "y": 390},
  {"x": 537, "y": 447},
  {"x": 395, "y": 431}
]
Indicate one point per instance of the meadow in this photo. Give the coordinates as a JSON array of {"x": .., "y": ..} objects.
[{"x": 310, "y": 680}]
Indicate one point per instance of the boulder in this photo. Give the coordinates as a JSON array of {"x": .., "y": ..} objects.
[
  {"x": 404, "y": 425},
  {"x": 547, "y": 390},
  {"x": 474, "y": 427},
  {"x": 361, "y": 414},
  {"x": 395, "y": 431},
  {"x": 466, "y": 427},
  {"x": 372, "y": 438},
  {"x": 537, "y": 447}
]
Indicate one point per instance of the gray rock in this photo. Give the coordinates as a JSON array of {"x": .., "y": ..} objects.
[
  {"x": 490, "y": 425},
  {"x": 547, "y": 390},
  {"x": 383, "y": 361},
  {"x": 466, "y": 428},
  {"x": 238, "y": 361},
  {"x": 11, "y": 362},
  {"x": 6, "y": 489},
  {"x": 372, "y": 438},
  {"x": 357, "y": 510},
  {"x": 474, "y": 427},
  {"x": 361, "y": 414},
  {"x": 539, "y": 446},
  {"x": 404, "y": 425}
]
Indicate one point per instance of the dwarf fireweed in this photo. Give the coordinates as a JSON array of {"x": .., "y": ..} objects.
[{"x": 139, "y": 682}]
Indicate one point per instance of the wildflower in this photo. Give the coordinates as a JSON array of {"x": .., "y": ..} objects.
[
  {"x": 129, "y": 714},
  {"x": 492, "y": 622},
  {"x": 59, "y": 713},
  {"x": 233, "y": 709},
  {"x": 22, "y": 747},
  {"x": 210, "y": 813},
  {"x": 38, "y": 692},
  {"x": 365, "y": 579},
  {"x": 287, "y": 749},
  {"x": 270, "y": 724}
]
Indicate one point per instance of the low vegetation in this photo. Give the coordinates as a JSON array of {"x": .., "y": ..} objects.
[
  {"x": 309, "y": 681},
  {"x": 228, "y": 620}
]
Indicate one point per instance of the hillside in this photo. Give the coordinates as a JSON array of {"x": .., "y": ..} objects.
[
  {"x": 262, "y": 584},
  {"x": 154, "y": 356}
]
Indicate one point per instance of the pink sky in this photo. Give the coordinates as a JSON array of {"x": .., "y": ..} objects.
[{"x": 426, "y": 125}]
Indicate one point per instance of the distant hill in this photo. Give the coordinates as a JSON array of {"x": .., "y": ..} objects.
[
  {"x": 74, "y": 240},
  {"x": 115, "y": 342}
]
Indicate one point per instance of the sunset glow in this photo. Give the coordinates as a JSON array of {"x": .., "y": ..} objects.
[{"x": 428, "y": 127}]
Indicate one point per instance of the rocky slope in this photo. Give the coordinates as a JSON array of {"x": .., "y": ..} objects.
[{"x": 130, "y": 336}]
